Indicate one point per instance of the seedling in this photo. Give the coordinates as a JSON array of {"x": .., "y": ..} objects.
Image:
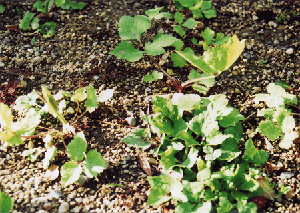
[{"x": 31, "y": 113}]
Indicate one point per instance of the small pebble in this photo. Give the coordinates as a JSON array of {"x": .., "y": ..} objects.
[
  {"x": 290, "y": 51},
  {"x": 286, "y": 175},
  {"x": 64, "y": 207}
]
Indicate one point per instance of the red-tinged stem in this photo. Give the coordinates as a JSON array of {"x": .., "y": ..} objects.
[{"x": 184, "y": 84}]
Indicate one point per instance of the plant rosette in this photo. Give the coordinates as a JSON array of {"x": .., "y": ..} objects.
[{"x": 204, "y": 167}]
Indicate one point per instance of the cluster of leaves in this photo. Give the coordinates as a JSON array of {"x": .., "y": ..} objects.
[
  {"x": 279, "y": 122},
  {"x": 204, "y": 167},
  {"x": 48, "y": 28},
  {"x": 220, "y": 54},
  {"x": 30, "y": 113}
]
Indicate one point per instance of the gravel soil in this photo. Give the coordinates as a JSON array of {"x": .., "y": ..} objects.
[{"x": 78, "y": 55}]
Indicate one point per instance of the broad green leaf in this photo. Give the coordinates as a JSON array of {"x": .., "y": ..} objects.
[
  {"x": 2, "y": 8},
  {"x": 206, "y": 82},
  {"x": 40, "y": 6},
  {"x": 217, "y": 59},
  {"x": 105, "y": 95},
  {"x": 49, "y": 156},
  {"x": 76, "y": 148},
  {"x": 224, "y": 205},
  {"x": 190, "y": 23},
  {"x": 179, "y": 17},
  {"x": 278, "y": 115},
  {"x": 187, "y": 138},
  {"x": 48, "y": 29},
  {"x": 253, "y": 155},
  {"x": 154, "y": 76},
  {"x": 196, "y": 124},
  {"x": 91, "y": 99},
  {"x": 133, "y": 28},
  {"x": 53, "y": 108},
  {"x": 284, "y": 85},
  {"x": 193, "y": 190},
  {"x": 6, "y": 203},
  {"x": 188, "y": 101},
  {"x": 203, "y": 175},
  {"x": 136, "y": 139},
  {"x": 161, "y": 186},
  {"x": 73, "y": 4},
  {"x": 220, "y": 39},
  {"x": 178, "y": 61},
  {"x": 187, "y": 3},
  {"x": 217, "y": 139},
  {"x": 211, "y": 13},
  {"x": 269, "y": 129},
  {"x": 229, "y": 149},
  {"x": 206, "y": 5},
  {"x": 6, "y": 117},
  {"x": 237, "y": 131},
  {"x": 168, "y": 159},
  {"x": 166, "y": 107},
  {"x": 159, "y": 41},
  {"x": 208, "y": 35},
  {"x": 197, "y": 13},
  {"x": 178, "y": 29},
  {"x": 231, "y": 119},
  {"x": 70, "y": 172},
  {"x": 126, "y": 51},
  {"x": 80, "y": 95},
  {"x": 156, "y": 14},
  {"x": 184, "y": 207},
  {"x": 59, "y": 2},
  {"x": 190, "y": 161},
  {"x": 25, "y": 22},
  {"x": 94, "y": 164}
]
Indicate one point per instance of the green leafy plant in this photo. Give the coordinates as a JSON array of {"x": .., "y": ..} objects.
[
  {"x": 2, "y": 8},
  {"x": 208, "y": 36},
  {"x": 206, "y": 165},
  {"x": 279, "y": 124},
  {"x": 199, "y": 8},
  {"x": 6, "y": 203},
  {"x": 226, "y": 49},
  {"x": 30, "y": 113},
  {"x": 45, "y": 8}
]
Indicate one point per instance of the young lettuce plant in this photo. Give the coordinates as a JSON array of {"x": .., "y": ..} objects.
[
  {"x": 213, "y": 61},
  {"x": 45, "y": 8},
  {"x": 279, "y": 122},
  {"x": 31, "y": 113},
  {"x": 204, "y": 167}
]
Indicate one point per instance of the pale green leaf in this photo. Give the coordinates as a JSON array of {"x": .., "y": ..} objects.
[
  {"x": 153, "y": 77},
  {"x": 136, "y": 139},
  {"x": 133, "y": 28},
  {"x": 168, "y": 159},
  {"x": 208, "y": 35},
  {"x": 159, "y": 41},
  {"x": 76, "y": 148},
  {"x": 91, "y": 99},
  {"x": 178, "y": 29},
  {"x": 70, "y": 173},
  {"x": 93, "y": 164},
  {"x": 25, "y": 22},
  {"x": 6, "y": 117},
  {"x": 156, "y": 14},
  {"x": 253, "y": 155},
  {"x": 80, "y": 95},
  {"x": 269, "y": 129},
  {"x": 217, "y": 59},
  {"x": 179, "y": 17},
  {"x": 59, "y": 2},
  {"x": 188, "y": 101},
  {"x": 126, "y": 51},
  {"x": 190, "y": 23},
  {"x": 161, "y": 186}
]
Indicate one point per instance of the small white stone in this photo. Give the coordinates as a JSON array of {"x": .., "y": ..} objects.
[
  {"x": 290, "y": 51},
  {"x": 272, "y": 24},
  {"x": 254, "y": 18},
  {"x": 2, "y": 64},
  {"x": 64, "y": 207},
  {"x": 286, "y": 175},
  {"x": 131, "y": 121}
]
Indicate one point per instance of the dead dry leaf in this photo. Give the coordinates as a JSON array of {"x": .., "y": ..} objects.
[
  {"x": 144, "y": 162},
  {"x": 290, "y": 194}
]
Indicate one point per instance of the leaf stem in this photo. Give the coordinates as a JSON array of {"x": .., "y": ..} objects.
[{"x": 184, "y": 84}]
